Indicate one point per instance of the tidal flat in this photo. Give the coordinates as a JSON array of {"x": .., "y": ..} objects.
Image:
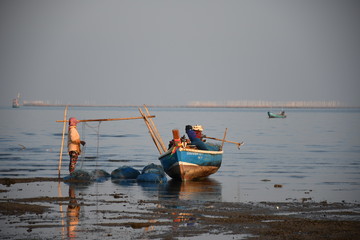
[{"x": 47, "y": 213}]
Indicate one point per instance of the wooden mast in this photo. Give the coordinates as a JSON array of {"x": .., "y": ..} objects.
[
  {"x": 155, "y": 130},
  {"x": 154, "y": 133}
]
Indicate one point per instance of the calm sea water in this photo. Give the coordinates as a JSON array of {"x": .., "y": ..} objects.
[{"x": 313, "y": 154}]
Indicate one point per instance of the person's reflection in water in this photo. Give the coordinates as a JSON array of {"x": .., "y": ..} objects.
[{"x": 72, "y": 214}]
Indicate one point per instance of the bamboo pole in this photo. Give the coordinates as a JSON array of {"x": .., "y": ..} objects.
[
  {"x": 62, "y": 142},
  {"x": 107, "y": 119},
  {"x": 237, "y": 143},
  {"x": 153, "y": 127},
  {"x": 61, "y": 211},
  {"x": 151, "y": 131},
  {"x": 153, "y": 138},
  {"x": 222, "y": 144},
  {"x": 155, "y": 130}
]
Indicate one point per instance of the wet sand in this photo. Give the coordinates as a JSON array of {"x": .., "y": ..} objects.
[{"x": 35, "y": 217}]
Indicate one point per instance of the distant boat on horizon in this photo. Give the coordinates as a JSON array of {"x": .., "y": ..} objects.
[
  {"x": 15, "y": 101},
  {"x": 277, "y": 115}
]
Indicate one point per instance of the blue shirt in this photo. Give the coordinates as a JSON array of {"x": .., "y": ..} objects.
[
  {"x": 195, "y": 140},
  {"x": 192, "y": 135}
]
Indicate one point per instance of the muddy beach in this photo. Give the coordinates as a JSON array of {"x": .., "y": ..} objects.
[{"x": 46, "y": 214}]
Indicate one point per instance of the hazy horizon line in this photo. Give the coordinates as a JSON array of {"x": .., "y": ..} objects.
[{"x": 210, "y": 104}]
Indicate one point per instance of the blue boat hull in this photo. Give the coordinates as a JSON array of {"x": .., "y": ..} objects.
[{"x": 188, "y": 164}]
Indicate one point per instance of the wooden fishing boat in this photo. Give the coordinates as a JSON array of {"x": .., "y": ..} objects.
[
  {"x": 184, "y": 163},
  {"x": 277, "y": 115}
]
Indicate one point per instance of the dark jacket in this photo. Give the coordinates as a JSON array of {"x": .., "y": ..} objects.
[{"x": 195, "y": 140}]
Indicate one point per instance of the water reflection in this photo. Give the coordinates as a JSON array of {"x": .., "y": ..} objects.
[
  {"x": 186, "y": 218},
  {"x": 151, "y": 189},
  {"x": 72, "y": 214},
  {"x": 202, "y": 190},
  {"x": 124, "y": 182},
  {"x": 171, "y": 192},
  {"x": 73, "y": 209}
]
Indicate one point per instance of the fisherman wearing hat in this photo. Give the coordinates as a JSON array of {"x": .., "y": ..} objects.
[
  {"x": 195, "y": 135},
  {"x": 198, "y": 130},
  {"x": 73, "y": 143}
]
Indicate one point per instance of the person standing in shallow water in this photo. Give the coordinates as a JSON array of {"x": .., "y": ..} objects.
[{"x": 73, "y": 143}]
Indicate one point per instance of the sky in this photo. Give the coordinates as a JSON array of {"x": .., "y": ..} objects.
[{"x": 165, "y": 52}]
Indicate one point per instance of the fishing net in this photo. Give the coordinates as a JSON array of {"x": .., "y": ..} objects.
[
  {"x": 85, "y": 176},
  {"x": 80, "y": 174},
  {"x": 153, "y": 168},
  {"x": 152, "y": 173},
  {"x": 99, "y": 175},
  {"x": 96, "y": 130},
  {"x": 152, "y": 177},
  {"x": 125, "y": 172}
]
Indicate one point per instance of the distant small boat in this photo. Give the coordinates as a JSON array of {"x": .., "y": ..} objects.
[
  {"x": 277, "y": 115},
  {"x": 15, "y": 102}
]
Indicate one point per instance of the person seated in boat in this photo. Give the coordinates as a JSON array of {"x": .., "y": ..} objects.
[
  {"x": 198, "y": 129},
  {"x": 282, "y": 113},
  {"x": 73, "y": 143},
  {"x": 194, "y": 139}
]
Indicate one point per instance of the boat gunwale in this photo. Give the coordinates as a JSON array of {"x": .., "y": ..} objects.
[{"x": 182, "y": 149}]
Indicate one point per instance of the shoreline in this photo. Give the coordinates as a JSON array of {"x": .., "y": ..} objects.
[
  {"x": 168, "y": 218},
  {"x": 189, "y": 106}
]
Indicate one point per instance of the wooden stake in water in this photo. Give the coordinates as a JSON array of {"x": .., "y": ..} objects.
[
  {"x": 62, "y": 142},
  {"x": 222, "y": 144}
]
